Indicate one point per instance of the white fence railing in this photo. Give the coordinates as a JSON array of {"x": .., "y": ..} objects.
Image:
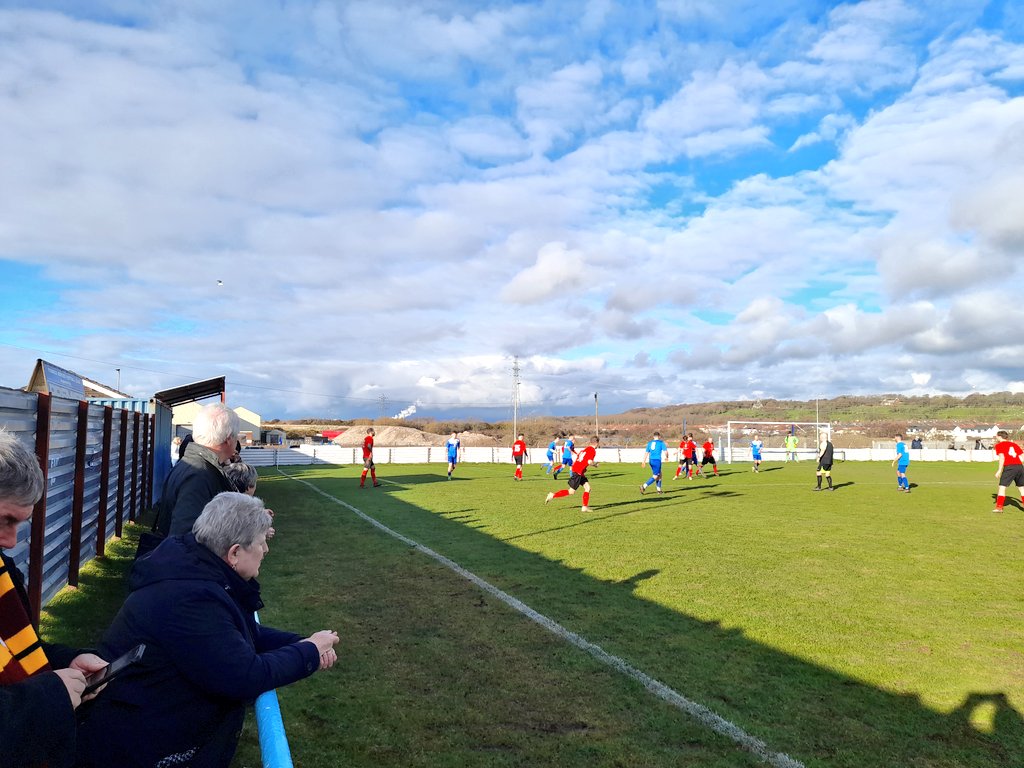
[{"x": 334, "y": 454}]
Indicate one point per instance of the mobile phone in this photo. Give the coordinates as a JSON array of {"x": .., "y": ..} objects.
[{"x": 113, "y": 669}]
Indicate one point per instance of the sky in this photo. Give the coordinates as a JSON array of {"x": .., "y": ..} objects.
[{"x": 356, "y": 209}]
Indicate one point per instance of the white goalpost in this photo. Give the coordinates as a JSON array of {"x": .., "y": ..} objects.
[{"x": 773, "y": 433}]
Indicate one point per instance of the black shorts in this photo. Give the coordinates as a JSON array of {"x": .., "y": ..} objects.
[
  {"x": 518, "y": 459},
  {"x": 708, "y": 460},
  {"x": 368, "y": 464},
  {"x": 575, "y": 481},
  {"x": 824, "y": 467},
  {"x": 1012, "y": 474}
]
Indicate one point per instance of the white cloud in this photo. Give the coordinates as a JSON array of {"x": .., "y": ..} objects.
[{"x": 556, "y": 270}]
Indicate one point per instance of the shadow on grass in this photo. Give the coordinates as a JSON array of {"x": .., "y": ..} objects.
[{"x": 817, "y": 715}]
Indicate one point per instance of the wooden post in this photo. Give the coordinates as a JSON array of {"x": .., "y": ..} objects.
[
  {"x": 37, "y": 544},
  {"x": 122, "y": 460},
  {"x": 101, "y": 517},
  {"x": 146, "y": 464},
  {"x": 78, "y": 502},
  {"x": 136, "y": 474}
]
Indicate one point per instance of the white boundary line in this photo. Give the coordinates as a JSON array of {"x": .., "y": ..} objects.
[{"x": 699, "y": 712}]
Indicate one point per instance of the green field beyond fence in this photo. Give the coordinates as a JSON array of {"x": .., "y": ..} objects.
[{"x": 858, "y": 628}]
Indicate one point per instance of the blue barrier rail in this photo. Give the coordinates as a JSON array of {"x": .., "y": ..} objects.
[{"x": 274, "y": 748}]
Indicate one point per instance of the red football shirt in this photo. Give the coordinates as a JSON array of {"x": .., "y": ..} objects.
[
  {"x": 518, "y": 448},
  {"x": 584, "y": 459},
  {"x": 367, "y": 447},
  {"x": 709, "y": 448},
  {"x": 691, "y": 449},
  {"x": 1010, "y": 451}
]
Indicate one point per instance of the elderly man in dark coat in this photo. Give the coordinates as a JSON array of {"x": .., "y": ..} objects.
[{"x": 198, "y": 477}]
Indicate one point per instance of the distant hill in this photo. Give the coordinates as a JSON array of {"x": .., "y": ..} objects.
[{"x": 878, "y": 416}]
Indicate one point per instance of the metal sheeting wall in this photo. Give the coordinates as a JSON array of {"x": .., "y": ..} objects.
[
  {"x": 18, "y": 415},
  {"x": 88, "y": 486}
]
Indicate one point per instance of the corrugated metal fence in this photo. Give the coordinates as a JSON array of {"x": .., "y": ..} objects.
[{"x": 98, "y": 465}]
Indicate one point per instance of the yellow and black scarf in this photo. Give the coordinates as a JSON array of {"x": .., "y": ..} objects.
[{"x": 21, "y": 654}]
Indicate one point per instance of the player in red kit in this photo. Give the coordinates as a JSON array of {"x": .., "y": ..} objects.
[
  {"x": 368, "y": 465},
  {"x": 1010, "y": 469},
  {"x": 709, "y": 457},
  {"x": 692, "y": 466},
  {"x": 519, "y": 456},
  {"x": 578, "y": 475},
  {"x": 682, "y": 458}
]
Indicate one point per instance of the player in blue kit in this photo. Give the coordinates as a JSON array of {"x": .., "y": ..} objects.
[
  {"x": 902, "y": 461},
  {"x": 552, "y": 453},
  {"x": 656, "y": 449},
  {"x": 568, "y": 455},
  {"x": 454, "y": 446},
  {"x": 756, "y": 444}
]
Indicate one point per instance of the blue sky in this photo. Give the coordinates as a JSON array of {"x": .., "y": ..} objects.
[{"x": 662, "y": 202}]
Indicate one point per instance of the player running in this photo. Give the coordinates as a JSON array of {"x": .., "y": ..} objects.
[
  {"x": 756, "y": 444},
  {"x": 682, "y": 459},
  {"x": 709, "y": 457},
  {"x": 1010, "y": 469},
  {"x": 568, "y": 455},
  {"x": 552, "y": 453},
  {"x": 578, "y": 475},
  {"x": 518, "y": 455},
  {"x": 901, "y": 462},
  {"x": 656, "y": 449},
  {"x": 692, "y": 467},
  {"x": 368, "y": 465},
  {"x": 454, "y": 446}
]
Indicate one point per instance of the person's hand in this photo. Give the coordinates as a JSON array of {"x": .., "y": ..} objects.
[
  {"x": 325, "y": 640},
  {"x": 997, "y": 475},
  {"x": 89, "y": 663},
  {"x": 74, "y": 681},
  {"x": 328, "y": 658}
]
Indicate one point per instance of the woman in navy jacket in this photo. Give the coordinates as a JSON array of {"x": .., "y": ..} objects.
[{"x": 191, "y": 602}]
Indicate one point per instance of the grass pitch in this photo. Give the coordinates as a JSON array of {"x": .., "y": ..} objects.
[{"x": 860, "y": 628}]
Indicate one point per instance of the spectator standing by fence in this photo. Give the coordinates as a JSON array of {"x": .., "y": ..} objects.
[
  {"x": 199, "y": 476},
  {"x": 191, "y": 602},
  {"x": 41, "y": 685}
]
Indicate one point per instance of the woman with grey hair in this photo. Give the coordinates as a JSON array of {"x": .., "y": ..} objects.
[
  {"x": 191, "y": 602},
  {"x": 242, "y": 476}
]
